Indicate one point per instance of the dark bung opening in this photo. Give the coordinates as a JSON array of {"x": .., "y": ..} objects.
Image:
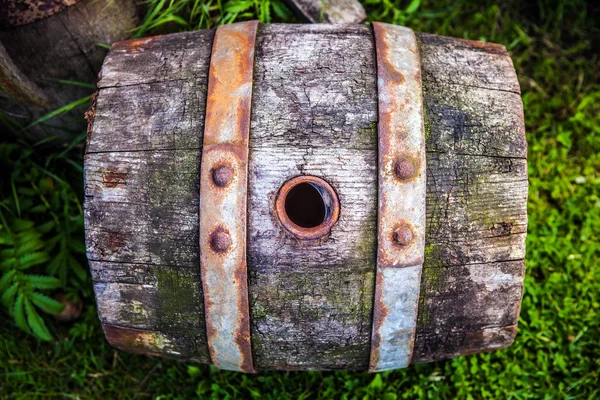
[{"x": 305, "y": 205}]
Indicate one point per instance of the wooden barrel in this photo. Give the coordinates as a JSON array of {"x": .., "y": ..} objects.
[
  {"x": 314, "y": 118},
  {"x": 45, "y": 41}
]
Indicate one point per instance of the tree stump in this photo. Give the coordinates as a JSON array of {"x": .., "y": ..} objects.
[
  {"x": 314, "y": 112},
  {"x": 43, "y": 42}
]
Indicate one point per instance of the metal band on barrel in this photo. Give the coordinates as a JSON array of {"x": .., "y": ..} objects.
[
  {"x": 401, "y": 214},
  {"x": 223, "y": 196}
]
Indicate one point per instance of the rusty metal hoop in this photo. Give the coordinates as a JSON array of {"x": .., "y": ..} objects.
[
  {"x": 223, "y": 197},
  {"x": 401, "y": 214}
]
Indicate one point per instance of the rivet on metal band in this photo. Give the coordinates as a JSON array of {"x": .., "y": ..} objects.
[
  {"x": 401, "y": 214},
  {"x": 223, "y": 196}
]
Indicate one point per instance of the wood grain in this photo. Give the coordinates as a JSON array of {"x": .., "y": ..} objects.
[
  {"x": 314, "y": 113},
  {"x": 472, "y": 279}
]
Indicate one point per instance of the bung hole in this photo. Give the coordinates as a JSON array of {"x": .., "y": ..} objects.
[{"x": 305, "y": 206}]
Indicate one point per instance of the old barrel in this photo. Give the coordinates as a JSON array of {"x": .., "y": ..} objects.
[
  {"x": 44, "y": 42},
  {"x": 293, "y": 197}
]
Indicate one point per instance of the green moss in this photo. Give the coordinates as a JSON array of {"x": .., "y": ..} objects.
[
  {"x": 174, "y": 178},
  {"x": 368, "y": 135},
  {"x": 426, "y": 127},
  {"x": 178, "y": 301}
]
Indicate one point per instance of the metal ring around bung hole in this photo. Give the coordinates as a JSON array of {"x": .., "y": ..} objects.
[{"x": 330, "y": 200}]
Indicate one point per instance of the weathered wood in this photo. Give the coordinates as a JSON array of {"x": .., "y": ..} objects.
[
  {"x": 142, "y": 169},
  {"x": 64, "y": 46},
  {"x": 329, "y": 11},
  {"x": 314, "y": 111},
  {"x": 476, "y": 199}
]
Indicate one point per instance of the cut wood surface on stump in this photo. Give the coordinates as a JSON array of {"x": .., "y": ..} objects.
[{"x": 314, "y": 112}]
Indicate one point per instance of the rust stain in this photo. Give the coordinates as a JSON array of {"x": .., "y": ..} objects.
[
  {"x": 223, "y": 197},
  {"x": 330, "y": 199},
  {"x": 401, "y": 144},
  {"x": 129, "y": 339},
  {"x": 385, "y": 69},
  {"x": 222, "y": 175},
  {"x": 230, "y": 86},
  {"x": 406, "y": 167},
  {"x": 220, "y": 241},
  {"x": 242, "y": 336},
  {"x": 113, "y": 177},
  {"x": 403, "y": 234},
  {"x": 492, "y": 47},
  {"x": 134, "y": 45},
  {"x": 380, "y": 313},
  {"x": 114, "y": 242}
]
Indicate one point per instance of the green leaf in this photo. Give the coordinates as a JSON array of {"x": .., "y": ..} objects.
[
  {"x": 20, "y": 225},
  {"x": 413, "y": 6},
  {"x": 238, "y": 6},
  {"x": 76, "y": 268},
  {"x": 42, "y": 282},
  {"x": 281, "y": 10},
  {"x": 9, "y": 295},
  {"x": 30, "y": 244},
  {"x": 40, "y": 208},
  {"x": 77, "y": 246},
  {"x": 47, "y": 304},
  {"x": 16, "y": 197},
  {"x": 19, "y": 314},
  {"x": 62, "y": 110},
  {"x": 36, "y": 323},
  {"x": 5, "y": 280},
  {"x": 376, "y": 383},
  {"x": 194, "y": 371},
  {"x": 47, "y": 227},
  {"x": 8, "y": 262},
  {"x": 29, "y": 260},
  {"x": 79, "y": 83}
]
